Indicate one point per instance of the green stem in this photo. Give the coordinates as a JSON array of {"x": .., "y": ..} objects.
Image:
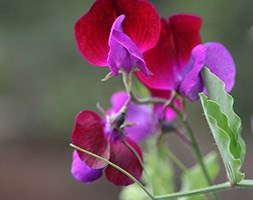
[
  {"x": 141, "y": 162},
  {"x": 116, "y": 167},
  {"x": 196, "y": 150},
  {"x": 214, "y": 188},
  {"x": 127, "y": 80}
]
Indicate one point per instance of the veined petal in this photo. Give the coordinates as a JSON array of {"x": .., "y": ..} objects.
[
  {"x": 123, "y": 54},
  {"x": 185, "y": 29},
  {"x": 88, "y": 134},
  {"x": 92, "y": 29},
  {"x": 221, "y": 63},
  {"x": 168, "y": 59},
  {"x": 123, "y": 156},
  {"x": 192, "y": 84},
  {"x": 142, "y": 23},
  {"x": 161, "y": 61},
  {"x": 82, "y": 172}
]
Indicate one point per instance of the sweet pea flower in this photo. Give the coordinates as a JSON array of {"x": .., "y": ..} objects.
[
  {"x": 167, "y": 60},
  {"x": 103, "y": 137},
  {"x": 103, "y": 38},
  {"x": 220, "y": 62},
  {"x": 177, "y": 59}
]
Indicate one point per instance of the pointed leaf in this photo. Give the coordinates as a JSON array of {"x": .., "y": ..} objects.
[{"x": 225, "y": 125}]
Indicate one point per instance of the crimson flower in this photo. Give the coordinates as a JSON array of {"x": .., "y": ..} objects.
[
  {"x": 177, "y": 59},
  {"x": 103, "y": 137},
  {"x": 98, "y": 33},
  {"x": 167, "y": 60}
]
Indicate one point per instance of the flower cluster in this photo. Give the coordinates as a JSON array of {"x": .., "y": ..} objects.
[{"x": 166, "y": 55}]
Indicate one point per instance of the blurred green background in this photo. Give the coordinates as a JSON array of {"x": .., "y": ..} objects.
[{"x": 44, "y": 83}]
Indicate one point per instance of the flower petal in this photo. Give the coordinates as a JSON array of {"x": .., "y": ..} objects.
[
  {"x": 217, "y": 58},
  {"x": 139, "y": 115},
  {"x": 88, "y": 134},
  {"x": 123, "y": 54},
  {"x": 123, "y": 156},
  {"x": 161, "y": 61},
  {"x": 192, "y": 84},
  {"x": 221, "y": 63},
  {"x": 168, "y": 58},
  {"x": 82, "y": 172},
  {"x": 92, "y": 29},
  {"x": 142, "y": 23},
  {"x": 169, "y": 114},
  {"x": 185, "y": 30}
]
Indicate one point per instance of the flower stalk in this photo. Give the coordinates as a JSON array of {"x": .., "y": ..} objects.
[{"x": 205, "y": 190}]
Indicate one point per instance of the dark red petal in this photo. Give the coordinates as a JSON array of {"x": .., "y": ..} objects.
[
  {"x": 92, "y": 30},
  {"x": 125, "y": 158},
  {"x": 167, "y": 60},
  {"x": 142, "y": 22},
  {"x": 161, "y": 61},
  {"x": 166, "y": 94},
  {"x": 186, "y": 35},
  {"x": 88, "y": 134}
]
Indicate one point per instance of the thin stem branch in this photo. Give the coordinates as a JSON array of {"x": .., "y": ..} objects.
[
  {"x": 150, "y": 100},
  {"x": 116, "y": 167},
  {"x": 196, "y": 150},
  {"x": 182, "y": 136},
  {"x": 214, "y": 188},
  {"x": 141, "y": 162}
]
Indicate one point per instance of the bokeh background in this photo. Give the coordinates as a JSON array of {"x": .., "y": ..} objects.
[{"x": 44, "y": 83}]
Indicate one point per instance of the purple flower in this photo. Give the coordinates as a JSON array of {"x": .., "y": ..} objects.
[
  {"x": 124, "y": 54},
  {"x": 214, "y": 56},
  {"x": 140, "y": 116},
  {"x": 102, "y": 137}
]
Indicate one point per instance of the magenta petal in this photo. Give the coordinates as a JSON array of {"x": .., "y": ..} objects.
[
  {"x": 192, "y": 84},
  {"x": 140, "y": 116},
  {"x": 82, "y": 172},
  {"x": 123, "y": 54},
  {"x": 161, "y": 61},
  {"x": 185, "y": 28},
  {"x": 92, "y": 29},
  {"x": 88, "y": 134},
  {"x": 221, "y": 63},
  {"x": 118, "y": 99},
  {"x": 122, "y": 156},
  {"x": 167, "y": 60},
  {"x": 217, "y": 58}
]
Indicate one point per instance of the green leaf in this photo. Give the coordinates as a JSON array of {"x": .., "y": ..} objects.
[
  {"x": 225, "y": 125},
  {"x": 194, "y": 178}
]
